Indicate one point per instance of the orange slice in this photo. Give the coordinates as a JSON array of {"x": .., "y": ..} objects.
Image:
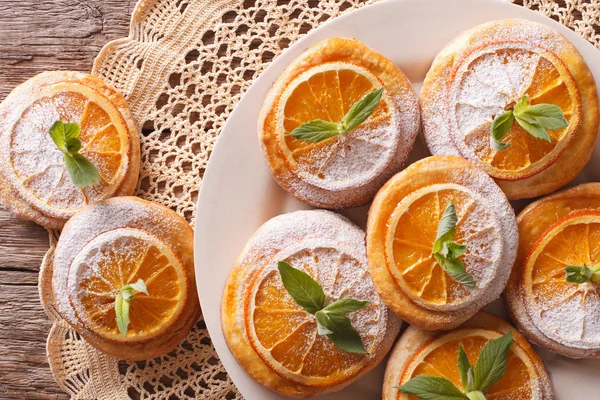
[
  {"x": 567, "y": 313},
  {"x": 37, "y": 163},
  {"x": 117, "y": 258},
  {"x": 435, "y": 353},
  {"x": 285, "y": 336},
  {"x": 274, "y": 340},
  {"x": 438, "y": 358},
  {"x": 328, "y": 91},
  {"x": 491, "y": 80},
  {"x": 412, "y": 233},
  {"x": 402, "y": 229},
  {"x": 40, "y": 187}
]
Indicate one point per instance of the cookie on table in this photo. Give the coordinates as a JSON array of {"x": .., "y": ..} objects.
[
  {"x": 123, "y": 277},
  {"x": 67, "y": 139},
  {"x": 441, "y": 239},
  {"x": 280, "y": 343},
  {"x": 339, "y": 121},
  {"x": 553, "y": 294},
  {"x": 528, "y": 84}
]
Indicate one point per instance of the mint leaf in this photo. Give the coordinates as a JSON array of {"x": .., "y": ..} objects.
[
  {"x": 579, "y": 275},
  {"x": 140, "y": 286},
  {"x": 61, "y": 133},
  {"x": 550, "y": 116},
  {"x": 316, "y": 131},
  {"x": 65, "y": 135},
  {"x": 342, "y": 333},
  {"x": 452, "y": 250},
  {"x": 122, "y": 312},
  {"x": 491, "y": 364},
  {"x": 331, "y": 321},
  {"x": 446, "y": 227},
  {"x": 500, "y": 128},
  {"x": 456, "y": 269},
  {"x": 463, "y": 368},
  {"x": 344, "y": 306},
  {"x": 122, "y": 303},
  {"x": 72, "y": 146},
  {"x": 361, "y": 110},
  {"x": 535, "y": 119},
  {"x": 432, "y": 388},
  {"x": 304, "y": 290},
  {"x": 83, "y": 173},
  {"x": 476, "y": 395},
  {"x": 446, "y": 252},
  {"x": 533, "y": 127},
  {"x": 522, "y": 105}
]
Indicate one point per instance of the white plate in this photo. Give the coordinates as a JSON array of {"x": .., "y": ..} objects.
[{"x": 238, "y": 193}]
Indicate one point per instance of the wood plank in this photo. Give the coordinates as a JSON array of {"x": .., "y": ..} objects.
[
  {"x": 24, "y": 326},
  {"x": 22, "y": 245},
  {"x": 40, "y": 35}
]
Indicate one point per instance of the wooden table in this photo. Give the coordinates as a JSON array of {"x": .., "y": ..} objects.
[{"x": 40, "y": 35}]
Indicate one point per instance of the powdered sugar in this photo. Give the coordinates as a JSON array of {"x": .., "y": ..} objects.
[
  {"x": 368, "y": 156},
  {"x": 34, "y": 165},
  {"x": 332, "y": 251},
  {"x": 475, "y": 78},
  {"x": 574, "y": 321},
  {"x": 476, "y": 98},
  {"x": 96, "y": 220}
]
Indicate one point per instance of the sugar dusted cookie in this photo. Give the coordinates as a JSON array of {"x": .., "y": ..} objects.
[
  {"x": 435, "y": 354},
  {"x": 67, "y": 140},
  {"x": 530, "y": 86},
  {"x": 343, "y": 164},
  {"x": 553, "y": 294},
  {"x": 123, "y": 277},
  {"x": 441, "y": 239},
  {"x": 279, "y": 343}
]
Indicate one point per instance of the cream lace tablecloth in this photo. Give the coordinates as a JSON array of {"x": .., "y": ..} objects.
[{"x": 184, "y": 66}]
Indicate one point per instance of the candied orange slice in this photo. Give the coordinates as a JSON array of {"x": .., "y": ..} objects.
[
  {"x": 327, "y": 92},
  {"x": 439, "y": 358},
  {"x": 117, "y": 258},
  {"x": 491, "y": 80},
  {"x": 565, "y": 312},
  {"x": 412, "y": 232},
  {"x": 285, "y": 336},
  {"x": 39, "y": 173}
]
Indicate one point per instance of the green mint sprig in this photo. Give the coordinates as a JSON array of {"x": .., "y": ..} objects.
[
  {"x": 582, "y": 274},
  {"x": 66, "y": 137},
  {"x": 476, "y": 379},
  {"x": 331, "y": 320},
  {"x": 122, "y": 301},
  {"x": 535, "y": 119},
  {"x": 318, "y": 130},
  {"x": 447, "y": 252}
]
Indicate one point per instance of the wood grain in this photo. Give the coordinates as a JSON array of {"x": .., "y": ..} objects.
[{"x": 40, "y": 35}]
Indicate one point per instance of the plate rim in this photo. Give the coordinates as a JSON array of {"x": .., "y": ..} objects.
[{"x": 278, "y": 64}]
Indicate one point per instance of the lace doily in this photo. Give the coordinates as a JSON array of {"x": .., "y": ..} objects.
[{"x": 182, "y": 73}]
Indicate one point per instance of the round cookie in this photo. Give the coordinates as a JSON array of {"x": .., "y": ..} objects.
[
  {"x": 402, "y": 232},
  {"x": 35, "y": 182},
  {"x": 558, "y": 315},
  {"x": 323, "y": 83},
  {"x": 276, "y": 341},
  {"x": 115, "y": 243},
  {"x": 484, "y": 73},
  {"x": 420, "y": 352}
]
